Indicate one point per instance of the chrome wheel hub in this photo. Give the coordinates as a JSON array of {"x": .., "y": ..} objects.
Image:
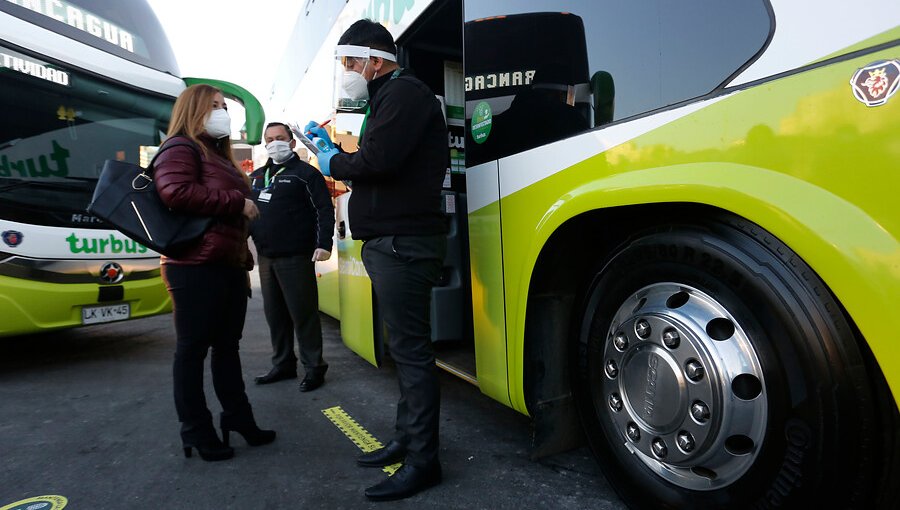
[{"x": 684, "y": 387}]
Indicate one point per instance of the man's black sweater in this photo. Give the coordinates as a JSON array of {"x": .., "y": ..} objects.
[
  {"x": 402, "y": 159},
  {"x": 296, "y": 215}
]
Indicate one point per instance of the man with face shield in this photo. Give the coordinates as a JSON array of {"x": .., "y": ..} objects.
[
  {"x": 294, "y": 231},
  {"x": 395, "y": 209},
  {"x": 354, "y": 86}
]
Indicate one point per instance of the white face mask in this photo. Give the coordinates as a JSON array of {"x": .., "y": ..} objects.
[
  {"x": 355, "y": 86},
  {"x": 218, "y": 124},
  {"x": 280, "y": 151}
]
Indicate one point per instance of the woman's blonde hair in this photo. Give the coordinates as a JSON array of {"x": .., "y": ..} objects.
[{"x": 189, "y": 114}]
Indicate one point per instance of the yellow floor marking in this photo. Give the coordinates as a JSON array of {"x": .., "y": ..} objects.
[
  {"x": 356, "y": 433},
  {"x": 52, "y": 502}
]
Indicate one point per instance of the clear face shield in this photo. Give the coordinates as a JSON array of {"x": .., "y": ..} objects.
[{"x": 351, "y": 63}]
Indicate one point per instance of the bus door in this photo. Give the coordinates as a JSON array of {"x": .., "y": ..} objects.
[
  {"x": 432, "y": 49},
  {"x": 526, "y": 85}
]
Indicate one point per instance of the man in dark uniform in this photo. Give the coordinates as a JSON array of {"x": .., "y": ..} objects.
[
  {"x": 294, "y": 230},
  {"x": 395, "y": 208}
]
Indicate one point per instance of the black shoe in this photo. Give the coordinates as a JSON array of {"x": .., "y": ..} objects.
[
  {"x": 311, "y": 382},
  {"x": 210, "y": 450},
  {"x": 405, "y": 482},
  {"x": 391, "y": 453},
  {"x": 254, "y": 435},
  {"x": 276, "y": 375}
]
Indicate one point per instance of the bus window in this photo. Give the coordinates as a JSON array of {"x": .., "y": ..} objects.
[
  {"x": 654, "y": 53},
  {"x": 64, "y": 129}
]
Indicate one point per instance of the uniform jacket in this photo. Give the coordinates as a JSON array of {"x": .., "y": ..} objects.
[
  {"x": 402, "y": 159},
  {"x": 296, "y": 215},
  {"x": 215, "y": 189}
]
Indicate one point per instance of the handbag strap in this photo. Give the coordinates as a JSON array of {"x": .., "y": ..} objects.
[{"x": 187, "y": 143}]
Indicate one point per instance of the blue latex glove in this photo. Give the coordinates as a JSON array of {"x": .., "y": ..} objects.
[
  {"x": 314, "y": 130},
  {"x": 325, "y": 154}
]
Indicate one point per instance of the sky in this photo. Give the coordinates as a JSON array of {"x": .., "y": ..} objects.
[{"x": 232, "y": 40}]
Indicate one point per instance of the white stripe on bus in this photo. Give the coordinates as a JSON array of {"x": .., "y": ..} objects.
[{"x": 526, "y": 168}]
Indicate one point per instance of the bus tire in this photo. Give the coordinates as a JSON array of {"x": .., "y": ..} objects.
[{"x": 716, "y": 370}]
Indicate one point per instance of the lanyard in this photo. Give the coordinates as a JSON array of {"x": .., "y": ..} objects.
[
  {"x": 268, "y": 180},
  {"x": 363, "y": 126}
]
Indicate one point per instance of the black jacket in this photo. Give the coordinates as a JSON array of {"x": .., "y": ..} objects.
[
  {"x": 297, "y": 217},
  {"x": 399, "y": 169}
]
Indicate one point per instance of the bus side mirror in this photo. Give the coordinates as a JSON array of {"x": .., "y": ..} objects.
[
  {"x": 253, "y": 110},
  {"x": 604, "y": 93}
]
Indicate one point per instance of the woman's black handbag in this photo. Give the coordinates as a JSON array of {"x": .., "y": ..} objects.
[{"x": 126, "y": 198}]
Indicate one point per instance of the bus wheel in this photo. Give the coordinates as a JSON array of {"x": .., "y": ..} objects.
[{"x": 716, "y": 371}]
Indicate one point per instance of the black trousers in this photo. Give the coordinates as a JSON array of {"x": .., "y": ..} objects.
[
  {"x": 210, "y": 303},
  {"x": 403, "y": 269},
  {"x": 291, "y": 304}
]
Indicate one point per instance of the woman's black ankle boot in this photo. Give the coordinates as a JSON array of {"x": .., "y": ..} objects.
[
  {"x": 254, "y": 435},
  {"x": 210, "y": 450}
]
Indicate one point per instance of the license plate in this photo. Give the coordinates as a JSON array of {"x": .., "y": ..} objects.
[{"x": 108, "y": 313}]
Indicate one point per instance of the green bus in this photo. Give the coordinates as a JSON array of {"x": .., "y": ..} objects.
[
  {"x": 82, "y": 81},
  {"x": 674, "y": 233}
]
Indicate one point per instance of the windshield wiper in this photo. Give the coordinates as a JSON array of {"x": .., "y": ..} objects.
[{"x": 9, "y": 143}]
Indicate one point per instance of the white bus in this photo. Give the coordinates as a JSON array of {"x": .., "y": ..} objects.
[
  {"x": 675, "y": 232},
  {"x": 81, "y": 81}
]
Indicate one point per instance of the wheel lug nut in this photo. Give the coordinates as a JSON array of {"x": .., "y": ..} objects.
[
  {"x": 611, "y": 369},
  {"x": 671, "y": 338},
  {"x": 694, "y": 370},
  {"x": 621, "y": 341},
  {"x": 615, "y": 402},
  {"x": 659, "y": 448},
  {"x": 642, "y": 328},
  {"x": 685, "y": 441},
  {"x": 700, "y": 411},
  {"x": 634, "y": 433}
]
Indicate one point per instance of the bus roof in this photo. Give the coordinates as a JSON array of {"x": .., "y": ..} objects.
[{"x": 131, "y": 30}]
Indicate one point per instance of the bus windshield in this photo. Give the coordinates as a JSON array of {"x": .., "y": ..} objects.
[{"x": 57, "y": 136}]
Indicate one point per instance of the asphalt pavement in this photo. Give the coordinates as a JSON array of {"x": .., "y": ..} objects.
[{"x": 87, "y": 414}]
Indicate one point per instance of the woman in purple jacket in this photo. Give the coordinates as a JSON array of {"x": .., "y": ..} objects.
[{"x": 208, "y": 278}]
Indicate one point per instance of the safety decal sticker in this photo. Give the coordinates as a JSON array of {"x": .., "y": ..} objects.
[
  {"x": 874, "y": 84},
  {"x": 482, "y": 120},
  {"x": 356, "y": 433},
  {"x": 38, "y": 503},
  {"x": 12, "y": 238}
]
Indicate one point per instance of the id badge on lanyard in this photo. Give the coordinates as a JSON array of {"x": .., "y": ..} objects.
[{"x": 266, "y": 193}]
